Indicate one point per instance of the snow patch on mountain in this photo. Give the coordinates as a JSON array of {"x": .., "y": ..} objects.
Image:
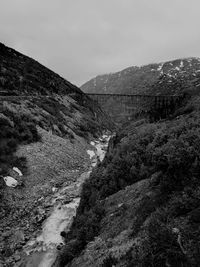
[
  {"x": 95, "y": 82},
  {"x": 160, "y": 67}
]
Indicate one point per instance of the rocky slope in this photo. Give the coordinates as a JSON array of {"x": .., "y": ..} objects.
[
  {"x": 42, "y": 250},
  {"x": 170, "y": 77},
  {"x": 46, "y": 123}
]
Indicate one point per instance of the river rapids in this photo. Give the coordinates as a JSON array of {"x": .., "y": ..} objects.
[{"x": 41, "y": 251}]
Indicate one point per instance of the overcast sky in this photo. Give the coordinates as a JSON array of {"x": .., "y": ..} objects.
[{"x": 80, "y": 39}]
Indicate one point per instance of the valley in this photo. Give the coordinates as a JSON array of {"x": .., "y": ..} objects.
[
  {"x": 92, "y": 192},
  {"x": 43, "y": 249},
  {"x": 45, "y": 134}
]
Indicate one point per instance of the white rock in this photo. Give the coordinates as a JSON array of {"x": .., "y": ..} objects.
[
  {"x": 91, "y": 153},
  {"x": 181, "y": 64},
  {"x": 94, "y": 163},
  {"x": 10, "y": 181},
  {"x": 177, "y": 68},
  {"x": 175, "y": 230},
  {"x": 18, "y": 171},
  {"x": 160, "y": 67},
  {"x": 54, "y": 189}
]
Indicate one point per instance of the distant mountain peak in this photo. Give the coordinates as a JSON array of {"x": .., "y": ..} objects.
[{"x": 143, "y": 79}]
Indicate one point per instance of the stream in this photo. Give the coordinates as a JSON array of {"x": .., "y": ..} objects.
[{"x": 41, "y": 251}]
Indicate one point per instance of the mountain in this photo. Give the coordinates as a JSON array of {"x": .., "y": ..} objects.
[
  {"x": 170, "y": 77},
  {"x": 51, "y": 101},
  {"x": 46, "y": 124}
]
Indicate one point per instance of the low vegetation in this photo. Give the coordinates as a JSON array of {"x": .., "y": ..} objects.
[
  {"x": 167, "y": 153},
  {"x": 15, "y": 130}
]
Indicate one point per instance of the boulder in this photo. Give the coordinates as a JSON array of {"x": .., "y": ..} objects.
[
  {"x": 10, "y": 181},
  {"x": 18, "y": 171}
]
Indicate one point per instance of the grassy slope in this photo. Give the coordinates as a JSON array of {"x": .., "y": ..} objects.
[{"x": 142, "y": 203}]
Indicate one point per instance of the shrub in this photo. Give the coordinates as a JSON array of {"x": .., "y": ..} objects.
[
  {"x": 15, "y": 130},
  {"x": 162, "y": 248},
  {"x": 171, "y": 149}
]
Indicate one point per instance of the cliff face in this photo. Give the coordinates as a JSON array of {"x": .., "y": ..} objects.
[{"x": 164, "y": 78}]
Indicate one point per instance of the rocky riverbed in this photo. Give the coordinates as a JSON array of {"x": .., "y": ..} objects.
[{"x": 41, "y": 250}]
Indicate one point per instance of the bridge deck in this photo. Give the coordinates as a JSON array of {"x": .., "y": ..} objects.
[{"x": 133, "y": 95}]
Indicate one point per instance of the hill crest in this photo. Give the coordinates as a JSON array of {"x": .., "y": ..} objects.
[{"x": 139, "y": 80}]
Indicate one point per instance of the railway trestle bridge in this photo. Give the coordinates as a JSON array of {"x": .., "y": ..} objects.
[
  {"x": 128, "y": 106},
  {"x": 122, "y": 106}
]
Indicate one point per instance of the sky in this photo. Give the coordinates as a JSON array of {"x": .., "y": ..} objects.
[{"x": 80, "y": 39}]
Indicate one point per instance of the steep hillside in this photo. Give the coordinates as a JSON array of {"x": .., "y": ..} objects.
[
  {"x": 51, "y": 100},
  {"x": 45, "y": 123},
  {"x": 164, "y": 78},
  {"x": 140, "y": 206}
]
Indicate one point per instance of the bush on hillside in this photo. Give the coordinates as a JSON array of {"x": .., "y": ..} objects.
[
  {"x": 171, "y": 149},
  {"x": 15, "y": 130},
  {"x": 161, "y": 247}
]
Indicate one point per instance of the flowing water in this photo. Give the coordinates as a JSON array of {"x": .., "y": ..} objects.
[{"x": 42, "y": 250}]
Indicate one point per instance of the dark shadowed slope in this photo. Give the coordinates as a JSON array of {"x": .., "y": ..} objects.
[{"x": 66, "y": 110}]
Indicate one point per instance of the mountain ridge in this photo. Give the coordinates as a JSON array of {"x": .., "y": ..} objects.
[
  {"x": 141, "y": 79},
  {"x": 22, "y": 75}
]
